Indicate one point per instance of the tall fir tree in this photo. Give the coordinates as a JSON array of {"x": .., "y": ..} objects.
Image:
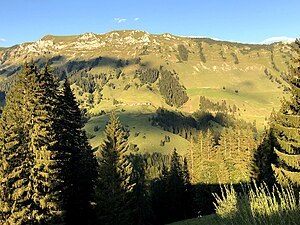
[
  {"x": 286, "y": 131},
  {"x": 175, "y": 189},
  {"x": 16, "y": 161},
  {"x": 46, "y": 174},
  {"x": 159, "y": 197},
  {"x": 114, "y": 185},
  {"x": 244, "y": 144},
  {"x": 141, "y": 204},
  {"x": 31, "y": 179},
  {"x": 80, "y": 170},
  {"x": 188, "y": 204},
  {"x": 203, "y": 155},
  {"x": 262, "y": 160}
]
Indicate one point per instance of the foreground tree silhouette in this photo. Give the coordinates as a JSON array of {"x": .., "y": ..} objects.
[
  {"x": 142, "y": 213},
  {"x": 172, "y": 197},
  {"x": 80, "y": 170},
  {"x": 286, "y": 130},
  {"x": 114, "y": 186},
  {"x": 177, "y": 184}
]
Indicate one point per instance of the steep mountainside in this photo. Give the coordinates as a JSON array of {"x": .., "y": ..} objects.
[{"x": 137, "y": 71}]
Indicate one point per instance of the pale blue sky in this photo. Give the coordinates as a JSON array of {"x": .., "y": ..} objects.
[{"x": 249, "y": 21}]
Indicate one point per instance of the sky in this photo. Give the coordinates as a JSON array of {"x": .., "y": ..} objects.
[{"x": 246, "y": 21}]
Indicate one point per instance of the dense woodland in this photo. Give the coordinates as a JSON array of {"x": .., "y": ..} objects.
[{"x": 49, "y": 174}]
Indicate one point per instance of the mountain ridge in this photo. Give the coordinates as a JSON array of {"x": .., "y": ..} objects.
[
  {"x": 267, "y": 41},
  {"x": 51, "y": 44}
]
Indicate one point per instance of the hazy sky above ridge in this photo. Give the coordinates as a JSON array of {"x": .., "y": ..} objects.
[{"x": 251, "y": 21}]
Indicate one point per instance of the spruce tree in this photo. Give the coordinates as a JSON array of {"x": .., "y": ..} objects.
[
  {"x": 172, "y": 192},
  {"x": 80, "y": 170},
  {"x": 262, "y": 160},
  {"x": 235, "y": 151},
  {"x": 179, "y": 189},
  {"x": 47, "y": 166},
  {"x": 159, "y": 196},
  {"x": 188, "y": 204},
  {"x": 31, "y": 179},
  {"x": 16, "y": 161},
  {"x": 175, "y": 189},
  {"x": 244, "y": 145},
  {"x": 203, "y": 155},
  {"x": 286, "y": 131},
  {"x": 141, "y": 205},
  {"x": 223, "y": 176},
  {"x": 114, "y": 186},
  {"x": 46, "y": 180}
]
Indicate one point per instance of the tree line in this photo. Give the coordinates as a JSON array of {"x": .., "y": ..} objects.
[{"x": 213, "y": 116}]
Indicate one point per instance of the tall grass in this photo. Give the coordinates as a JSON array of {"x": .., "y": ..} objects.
[{"x": 257, "y": 206}]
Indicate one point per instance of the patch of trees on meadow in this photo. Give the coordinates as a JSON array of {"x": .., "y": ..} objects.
[
  {"x": 170, "y": 88},
  {"x": 168, "y": 84},
  {"x": 183, "y": 53}
]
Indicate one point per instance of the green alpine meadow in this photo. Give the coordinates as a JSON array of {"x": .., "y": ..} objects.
[{"x": 149, "y": 113}]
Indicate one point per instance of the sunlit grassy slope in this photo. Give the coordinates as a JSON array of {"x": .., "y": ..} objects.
[{"x": 146, "y": 137}]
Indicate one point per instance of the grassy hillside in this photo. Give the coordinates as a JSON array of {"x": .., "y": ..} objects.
[
  {"x": 250, "y": 76},
  {"x": 148, "y": 138}
]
